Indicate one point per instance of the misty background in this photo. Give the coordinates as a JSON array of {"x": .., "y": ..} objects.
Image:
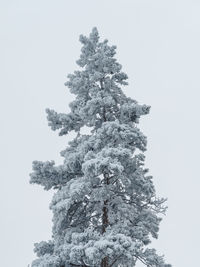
[{"x": 158, "y": 45}]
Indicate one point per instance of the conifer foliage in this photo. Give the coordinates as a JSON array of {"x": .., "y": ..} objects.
[{"x": 105, "y": 210}]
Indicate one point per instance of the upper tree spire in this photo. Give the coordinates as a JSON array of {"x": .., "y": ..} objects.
[{"x": 105, "y": 207}]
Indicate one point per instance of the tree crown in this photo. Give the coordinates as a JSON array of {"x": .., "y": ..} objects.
[{"x": 105, "y": 208}]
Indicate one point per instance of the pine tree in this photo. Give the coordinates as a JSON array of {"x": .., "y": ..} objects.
[{"x": 105, "y": 210}]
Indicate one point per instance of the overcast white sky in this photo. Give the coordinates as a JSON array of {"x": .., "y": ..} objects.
[{"x": 159, "y": 47}]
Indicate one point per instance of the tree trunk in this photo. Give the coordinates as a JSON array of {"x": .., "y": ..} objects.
[
  {"x": 105, "y": 217},
  {"x": 105, "y": 221},
  {"x": 104, "y": 262}
]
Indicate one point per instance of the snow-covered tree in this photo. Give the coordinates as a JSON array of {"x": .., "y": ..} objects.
[{"x": 105, "y": 210}]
